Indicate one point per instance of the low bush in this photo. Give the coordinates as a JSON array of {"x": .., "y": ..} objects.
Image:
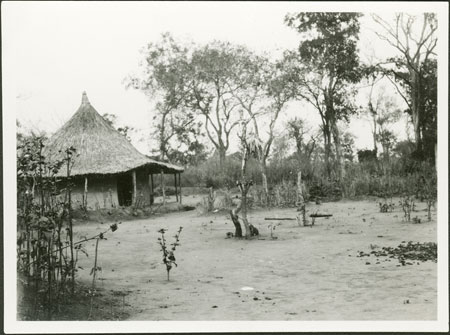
[
  {"x": 371, "y": 176},
  {"x": 211, "y": 174}
]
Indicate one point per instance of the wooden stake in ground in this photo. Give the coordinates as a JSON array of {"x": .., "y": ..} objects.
[
  {"x": 150, "y": 183},
  {"x": 301, "y": 199},
  {"x": 179, "y": 184},
  {"x": 85, "y": 193},
  {"x": 176, "y": 187}
]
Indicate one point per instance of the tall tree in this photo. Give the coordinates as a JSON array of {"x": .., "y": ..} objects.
[
  {"x": 414, "y": 37},
  {"x": 348, "y": 145},
  {"x": 429, "y": 116},
  {"x": 325, "y": 66},
  {"x": 212, "y": 70},
  {"x": 382, "y": 111},
  {"x": 175, "y": 127},
  {"x": 298, "y": 130},
  {"x": 165, "y": 78},
  {"x": 387, "y": 139},
  {"x": 263, "y": 90}
]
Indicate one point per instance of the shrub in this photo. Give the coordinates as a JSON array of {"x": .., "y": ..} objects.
[
  {"x": 211, "y": 174},
  {"x": 46, "y": 252},
  {"x": 367, "y": 156}
]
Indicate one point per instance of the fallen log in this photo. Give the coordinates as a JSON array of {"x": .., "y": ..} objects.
[
  {"x": 320, "y": 215},
  {"x": 311, "y": 216}
]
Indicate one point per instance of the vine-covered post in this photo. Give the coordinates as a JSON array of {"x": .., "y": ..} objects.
[{"x": 69, "y": 153}]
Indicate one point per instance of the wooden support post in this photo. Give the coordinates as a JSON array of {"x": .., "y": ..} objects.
[
  {"x": 179, "y": 183},
  {"x": 152, "y": 190},
  {"x": 85, "y": 193},
  {"x": 134, "y": 198},
  {"x": 176, "y": 186},
  {"x": 163, "y": 189}
]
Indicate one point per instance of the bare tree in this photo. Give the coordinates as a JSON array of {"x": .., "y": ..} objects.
[
  {"x": 415, "y": 38},
  {"x": 381, "y": 111}
]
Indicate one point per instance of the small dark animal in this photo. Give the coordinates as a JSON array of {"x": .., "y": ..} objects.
[{"x": 253, "y": 231}]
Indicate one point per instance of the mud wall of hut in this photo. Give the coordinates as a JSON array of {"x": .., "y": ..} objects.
[
  {"x": 142, "y": 187},
  {"x": 101, "y": 192}
]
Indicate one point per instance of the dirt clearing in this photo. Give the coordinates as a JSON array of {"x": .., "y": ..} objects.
[{"x": 303, "y": 274}]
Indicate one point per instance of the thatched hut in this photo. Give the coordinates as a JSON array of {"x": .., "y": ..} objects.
[{"x": 107, "y": 170}]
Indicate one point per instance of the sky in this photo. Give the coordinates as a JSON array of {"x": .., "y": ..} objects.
[{"x": 53, "y": 51}]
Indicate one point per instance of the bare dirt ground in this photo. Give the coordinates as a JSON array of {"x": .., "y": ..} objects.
[{"x": 304, "y": 274}]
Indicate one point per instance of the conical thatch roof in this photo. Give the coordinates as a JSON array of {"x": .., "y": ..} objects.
[{"x": 100, "y": 149}]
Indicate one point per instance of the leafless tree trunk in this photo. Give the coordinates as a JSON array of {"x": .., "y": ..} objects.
[
  {"x": 265, "y": 185},
  {"x": 249, "y": 147},
  {"x": 244, "y": 186},
  {"x": 340, "y": 171},
  {"x": 416, "y": 44}
]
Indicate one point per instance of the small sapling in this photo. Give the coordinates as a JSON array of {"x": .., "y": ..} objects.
[
  {"x": 272, "y": 227},
  {"x": 169, "y": 251},
  {"x": 407, "y": 204}
]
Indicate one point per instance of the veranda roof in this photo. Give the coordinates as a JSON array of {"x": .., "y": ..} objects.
[{"x": 100, "y": 149}]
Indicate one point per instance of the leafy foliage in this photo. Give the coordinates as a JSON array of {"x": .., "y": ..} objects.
[
  {"x": 47, "y": 255},
  {"x": 324, "y": 67},
  {"x": 166, "y": 77},
  {"x": 331, "y": 44},
  {"x": 111, "y": 120}
]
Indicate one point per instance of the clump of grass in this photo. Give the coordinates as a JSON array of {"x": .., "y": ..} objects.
[
  {"x": 169, "y": 251},
  {"x": 386, "y": 207}
]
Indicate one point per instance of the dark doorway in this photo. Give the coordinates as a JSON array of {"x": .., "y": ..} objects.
[{"x": 125, "y": 189}]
